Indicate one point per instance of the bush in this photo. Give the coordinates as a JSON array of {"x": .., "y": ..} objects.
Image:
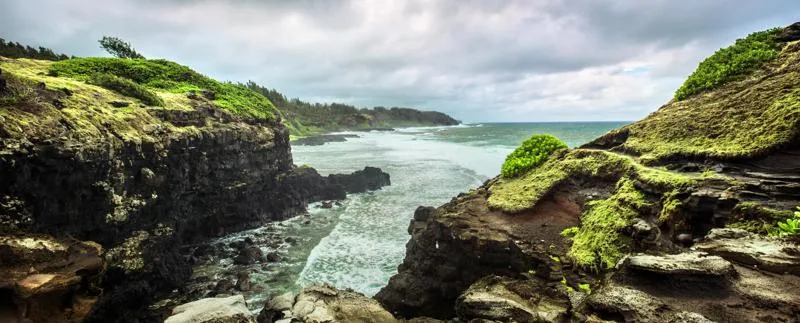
[
  {"x": 731, "y": 63},
  {"x": 789, "y": 227},
  {"x": 533, "y": 152},
  {"x": 168, "y": 76},
  {"x": 126, "y": 87}
]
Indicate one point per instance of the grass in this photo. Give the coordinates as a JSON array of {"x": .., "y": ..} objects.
[
  {"x": 531, "y": 153},
  {"x": 165, "y": 76},
  {"x": 126, "y": 87},
  {"x": 732, "y": 63}
]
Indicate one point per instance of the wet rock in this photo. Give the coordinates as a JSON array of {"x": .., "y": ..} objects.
[
  {"x": 684, "y": 239},
  {"x": 248, "y": 255},
  {"x": 224, "y": 286},
  {"x": 326, "y": 204},
  {"x": 279, "y": 307},
  {"x": 750, "y": 249},
  {"x": 367, "y": 179},
  {"x": 212, "y": 310},
  {"x": 327, "y": 304},
  {"x": 689, "y": 263},
  {"x": 273, "y": 257},
  {"x": 507, "y": 300},
  {"x": 243, "y": 281},
  {"x": 321, "y": 139}
]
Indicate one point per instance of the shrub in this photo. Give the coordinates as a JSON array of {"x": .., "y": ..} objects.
[
  {"x": 789, "y": 227},
  {"x": 126, "y": 87},
  {"x": 731, "y": 63},
  {"x": 533, "y": 152},
  {"x": 118, "y": 47}
]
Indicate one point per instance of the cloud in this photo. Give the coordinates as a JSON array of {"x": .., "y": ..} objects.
[{"x": 477, "y": 60}]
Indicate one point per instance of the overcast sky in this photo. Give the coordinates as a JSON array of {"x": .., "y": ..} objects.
[{"x": 548, "y": 60}]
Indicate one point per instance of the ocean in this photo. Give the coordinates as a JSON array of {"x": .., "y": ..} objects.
[{"x": 359, "y": 244}]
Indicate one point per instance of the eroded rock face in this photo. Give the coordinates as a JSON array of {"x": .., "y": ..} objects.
[
  {"x": 773, "y": 255},
  {"x": 231, "y": 309},
  {"x": 37, "y": 269}
]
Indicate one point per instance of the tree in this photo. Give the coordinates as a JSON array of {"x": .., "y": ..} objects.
[{"x": 118, "y": 47}]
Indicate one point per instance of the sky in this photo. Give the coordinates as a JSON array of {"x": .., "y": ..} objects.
[{"x": 479, "y": 61}]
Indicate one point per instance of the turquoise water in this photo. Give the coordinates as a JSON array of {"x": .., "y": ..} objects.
[{"x": 359, "y": 244}]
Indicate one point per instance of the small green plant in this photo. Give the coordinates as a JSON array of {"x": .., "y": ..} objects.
[
  {"x": 126, "y": 87},
  {"x": 731, "y": 63},
  {"x": 533, "y": 152},
  {"x": 789, "y": 227},
  {"x": 586, "y": 288}
]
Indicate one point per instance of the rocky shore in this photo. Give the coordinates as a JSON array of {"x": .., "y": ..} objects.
[{"x": 136, "y": 185}]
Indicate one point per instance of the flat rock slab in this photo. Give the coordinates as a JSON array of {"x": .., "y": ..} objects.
[
  {"x": 689, "y": 263},
  {"x": 775, "y": 255},
  {"x": 212, "y": 310}
]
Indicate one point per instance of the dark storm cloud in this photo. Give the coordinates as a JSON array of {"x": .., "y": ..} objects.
[{"x": 478, "y": 60}]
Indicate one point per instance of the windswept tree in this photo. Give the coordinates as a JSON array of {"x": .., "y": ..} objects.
[{"x": 118, "y": 47}]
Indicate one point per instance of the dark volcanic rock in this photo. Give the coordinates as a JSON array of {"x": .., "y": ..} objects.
[
  {"x": 249, "y": 255},
  {"x": 319, "y": 140},
  {"x": 370, "y": 178}
]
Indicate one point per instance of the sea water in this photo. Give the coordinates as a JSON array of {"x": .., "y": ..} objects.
[{"x": 359, "y": 244}]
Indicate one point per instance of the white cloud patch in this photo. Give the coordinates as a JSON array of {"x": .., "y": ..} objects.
[{"x": 477, "y": 60}]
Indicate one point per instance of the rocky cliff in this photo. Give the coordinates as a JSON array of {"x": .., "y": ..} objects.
[
  {"x": 670, "y": 219},
  {"x": 84, "y": 160}
]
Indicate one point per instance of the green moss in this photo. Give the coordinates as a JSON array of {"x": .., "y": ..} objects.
[
  {"x": 599, "y": 243},
  {"x": 586, "y": 288},
  {"x": 756, "y": 218},
  {"x": 165, "y": 76},
  {"x": 521, "y": 193},
  {"x": 531, "y": 153},
  {"x": 731, "y": 63},
  {"x": 670, "y": 207}
]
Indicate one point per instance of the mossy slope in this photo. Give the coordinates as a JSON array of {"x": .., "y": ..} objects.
[
  {"x": 59, "y": 101},
  {"x": 745, "y": 118}
]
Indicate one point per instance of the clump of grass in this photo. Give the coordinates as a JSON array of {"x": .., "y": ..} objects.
[
  {"x": 163, "y": 75},
  {"x": 533, "y": 152},
  {"x": 126, "y": 87},
  {"x": 731, "y": 63},
  {"x": 598, "y": 243}
]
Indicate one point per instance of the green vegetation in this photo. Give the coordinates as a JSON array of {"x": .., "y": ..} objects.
[
  {"x": 304, "y": 118},
  {"x": 789, "y": 227},
  {"x": 599, "y": 243},
  {"x": 533, "y": 152},
  {"x": 586, "y": 288},
  {"x": 756, "y": 218},
  {"x": 17, "y": 50},
  {"x": 118, "y": 47},
  {"x": 670, "y": 207},
  {"x": 521, "y": 193},
  {"x": 165, "y": 76},
  {"x": 126, "y": 87},
  {"x": 735, "y": 120},
  {"x": 732, "y": 63}
]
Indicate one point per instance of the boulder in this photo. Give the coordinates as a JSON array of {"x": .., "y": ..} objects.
[
  {"x": 689, "y": 263},
  {"x": 231, "y": 309},
  {"x": 37, "y": 269},
  {"x": 630, "y": 304},
  {"x": 279, "y": 307},
  {"x": 508, "y": 300},
  {"x": 742, "y": 247},
  {"x": 317, "y": 304},
  {"x": 248, "y": 255}
]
